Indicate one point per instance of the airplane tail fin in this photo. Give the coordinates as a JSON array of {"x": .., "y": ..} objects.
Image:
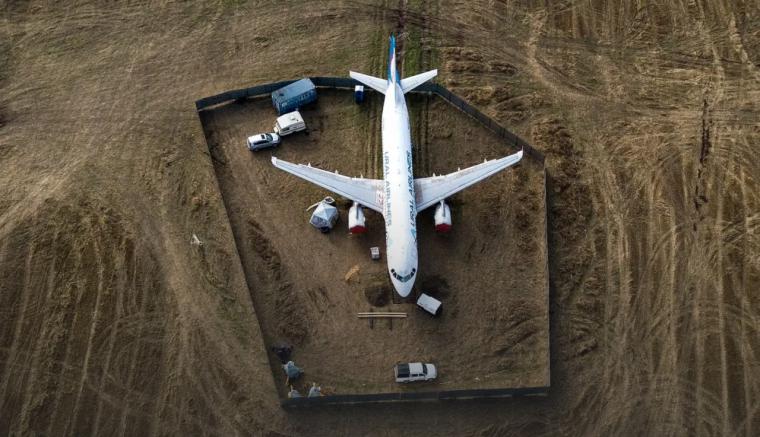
[
  {"x": 413, "y": 82},
  {"x": 381, "y": 85},
  {"x": 392, "y": 72}
]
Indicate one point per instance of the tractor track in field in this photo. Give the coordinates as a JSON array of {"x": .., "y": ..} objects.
[
  {"x": 112, "y": 323},
  {"x": 373, "y": 163}
]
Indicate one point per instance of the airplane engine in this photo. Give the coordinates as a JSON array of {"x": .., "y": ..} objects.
[
  {"x": 356, "y": 220},
  {"x": 442, "y": 218}
]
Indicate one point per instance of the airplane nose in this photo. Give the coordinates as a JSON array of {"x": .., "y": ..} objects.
[
  {"x": 403, "y": 283},
  {"x": 403, "y": 288}
]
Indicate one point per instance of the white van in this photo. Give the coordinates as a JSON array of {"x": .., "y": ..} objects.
[
  {"x": 429, "y": 304},
  {"x": 289, "y": 123}
]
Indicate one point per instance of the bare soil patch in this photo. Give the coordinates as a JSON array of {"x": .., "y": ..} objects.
[{"x": 490, "y": 272}]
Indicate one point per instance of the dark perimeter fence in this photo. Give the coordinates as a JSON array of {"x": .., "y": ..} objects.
[
  {"x": 509, "y": 137},
  {"x": 414, "y": 396},
  {"x": 348, "y": 83}
]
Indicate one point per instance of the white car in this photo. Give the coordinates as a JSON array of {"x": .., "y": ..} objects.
[
  {"x": 262, "y": 141},
  {"x": 410, "y": 372}
]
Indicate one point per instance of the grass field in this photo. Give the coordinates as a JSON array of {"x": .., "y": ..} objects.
[{"x": 112, "y": 323}]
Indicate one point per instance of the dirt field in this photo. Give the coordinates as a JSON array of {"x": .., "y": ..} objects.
[
  {"x": 490, "y": 272},
  {"x": 112, "y": 323}
]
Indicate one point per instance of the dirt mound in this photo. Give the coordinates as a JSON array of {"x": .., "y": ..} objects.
[
  {"x": 572, "y": 206},
  {"x": 377, "y": 292},
  {"x": 289, "y": 311},
  {"x": 264, "y": 249},
  {"x": 291, "y": 315}
]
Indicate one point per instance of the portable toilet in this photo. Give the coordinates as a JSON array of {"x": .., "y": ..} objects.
[
  {"x": 359, "y": 93},
  {"x": 314, "y": 391},
  {"x": 291, "y": 370},
  {"x": 291, "y": 97},
  {"x": 325, "y": 215}
]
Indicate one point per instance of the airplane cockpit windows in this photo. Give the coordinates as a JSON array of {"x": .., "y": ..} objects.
[{"x": 404, "y": 278}]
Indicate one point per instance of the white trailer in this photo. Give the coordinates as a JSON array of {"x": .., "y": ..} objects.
[{"x": 289, "y": 123}]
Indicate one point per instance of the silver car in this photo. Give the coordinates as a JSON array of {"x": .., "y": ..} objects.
[
  {"x": 262, "y": 141},
  {"x": 409, "y": 372}
]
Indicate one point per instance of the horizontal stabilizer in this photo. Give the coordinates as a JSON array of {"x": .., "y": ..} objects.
[
  {"x": 413, "y": 82},
  {"x": 377, "y": 84}
]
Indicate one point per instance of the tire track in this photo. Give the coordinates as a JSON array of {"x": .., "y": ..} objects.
[
  {"x": 37, "y": 360},
  {"x": 96, "y": 312},
  {"x": 67, "y": 349},
  {"x": 12, "y": 355},
  {"x": 716, "y": 380},
  {"x": 125, "y": 252},
  {"x": 635, "y": 400},
  {"x": 140, "y": 310},
  {"x": 416, "y": 51},
  {"x": 730, "y": 234},
  {"x": 64, "y": 387},
  {"x": 373, "y": 147},
  {"x": 747, "y": 359}
]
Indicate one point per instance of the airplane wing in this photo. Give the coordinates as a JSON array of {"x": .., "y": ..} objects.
[
  {"x": 367, "y": 192},
  {"x": 432, "y": 190}
]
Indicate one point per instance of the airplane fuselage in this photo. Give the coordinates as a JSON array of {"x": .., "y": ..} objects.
[{"x": 399, "y": 204}]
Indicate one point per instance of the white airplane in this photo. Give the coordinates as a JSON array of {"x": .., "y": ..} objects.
[{"x": 398, "y": 196}]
